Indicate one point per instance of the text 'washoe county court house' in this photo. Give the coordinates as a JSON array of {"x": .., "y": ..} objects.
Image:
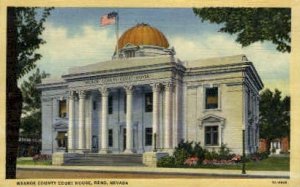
[{"x": 145, "y": 98}]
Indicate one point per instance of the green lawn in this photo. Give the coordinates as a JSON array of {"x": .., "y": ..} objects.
[
  {"x": 269, "y": 164},
  {"x": 31, "y": 162}
]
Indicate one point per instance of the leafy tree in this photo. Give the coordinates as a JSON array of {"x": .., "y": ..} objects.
[
  {"x": 252, "y": 24},
  {"x": 31, "y": 95},
  {"x": 31, "y": 122},
  {"x": 24, "y": 28},
  {"x": 274, "y": 115}
]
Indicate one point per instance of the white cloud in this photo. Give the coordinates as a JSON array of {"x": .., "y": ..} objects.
[
  {"x": 64, "y": 50},
  {"x": 272, "y": 66}
]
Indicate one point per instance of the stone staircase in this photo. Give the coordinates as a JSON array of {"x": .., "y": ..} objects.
[{"x": 91, "y": 159}]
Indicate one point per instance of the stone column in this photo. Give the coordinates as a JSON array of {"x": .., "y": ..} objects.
[
  {"x": 129, "y": 130},
  {"x": 168, "y": 115},
  {"x": 71, "y": 122},
  {"x": 81, "y": 121},
  {"x": 104, "y": 120},
  {"x": 155, "y": 114}
]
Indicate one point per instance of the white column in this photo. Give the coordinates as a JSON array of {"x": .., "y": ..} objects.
[
  {"x": 81, "y": 121},
  {"x": 129, "y": 130},
  {"x": 88, "y": 122},
  {"x": 55, "y": 109},
  {"x": 155, "y": 113},
  {"x": 104, "y": 122},
  {"x": 168, "y": 115},
  {"x": 71, "y": 122}
]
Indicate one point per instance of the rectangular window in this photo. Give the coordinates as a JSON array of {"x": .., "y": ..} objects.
[
  {"x": 211, "y": 135},
  {"x": 125, "y": 103},
  {"x": 148, "y": 136},
  {"x": 110, "y": 104},
  {"x": 61, "y": 139},
  {"x": 211, "y": 98},
  {"x": 148, "y": 102},
  {"x": 94, "y": 105},
  {"x": 62, "y": 109},
  {"x": 110, "y": 137}
]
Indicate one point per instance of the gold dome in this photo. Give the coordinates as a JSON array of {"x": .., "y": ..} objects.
[{"x": 143, "y": 34}]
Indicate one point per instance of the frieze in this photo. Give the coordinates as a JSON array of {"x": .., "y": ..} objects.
[{"x": 109, "y": 80}]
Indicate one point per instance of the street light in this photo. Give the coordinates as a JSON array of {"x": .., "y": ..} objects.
[
  {"x": 154, "y": 150},
  {"x": 244, "y": 159}
]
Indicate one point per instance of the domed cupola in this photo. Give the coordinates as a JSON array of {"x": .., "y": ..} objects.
[{"x": 143, "y": 40}]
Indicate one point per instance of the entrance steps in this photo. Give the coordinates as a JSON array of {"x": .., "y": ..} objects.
[{"x": 93, "y": 159}]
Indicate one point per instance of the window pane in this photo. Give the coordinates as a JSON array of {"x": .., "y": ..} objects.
[
  {"x": 63, "y": 109},
  {"x": 211, "y": 135},
  {"x": 148, "y": 136},
  {"x": 125, "y": 103},
  {"x": 94, "y": 105},
  {"x": 110, "y": 104},
  {"x": 61, "y": 139},
  {"x": 110, "y": 137},
  {"x": 207, "y": 139},
  {"x": 211, "y": 98},
  {"x": 215, "y": 138},
  {"x": 148, "y": 102}
]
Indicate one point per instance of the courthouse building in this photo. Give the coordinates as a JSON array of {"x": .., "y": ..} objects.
[{"x": 147, "y": 99}]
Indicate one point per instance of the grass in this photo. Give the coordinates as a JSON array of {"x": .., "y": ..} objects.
[
  {"x": 31, "y": 162},
  {"x": 269, "y": 164}
]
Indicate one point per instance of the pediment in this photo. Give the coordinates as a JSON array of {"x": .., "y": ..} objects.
[{"x": 212, "y": 119}]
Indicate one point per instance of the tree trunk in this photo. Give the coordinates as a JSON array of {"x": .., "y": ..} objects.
[{"x": 13, "y": 96}]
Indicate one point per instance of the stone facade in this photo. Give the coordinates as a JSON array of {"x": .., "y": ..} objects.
[
  {"x": 145, "y": 99},
  {"x": 105, "y": 99}
]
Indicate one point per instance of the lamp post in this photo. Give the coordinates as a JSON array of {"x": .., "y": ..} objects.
[
  {"x": 244, "y": 160},
  {"x": 154, "y": 150}
]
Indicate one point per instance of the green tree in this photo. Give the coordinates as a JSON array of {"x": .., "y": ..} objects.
[
  {"x": 24, "y": 29},
  {"x": 31, "y": 122},
  {"x": 274, "y": 115},
  {"x": 252, "y": 24}
]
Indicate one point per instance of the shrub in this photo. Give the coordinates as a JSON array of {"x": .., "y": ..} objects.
[
  {"x": 199, "y": 152},
  {"x": 167, "y": 161},
  {"x": 180, "y": 156},
  {"x": 192, "y": 161},
  {"x": 258, "y": 156},
  {"x": 224, "y": 153},
  {"x": 41, "y": 157},
  {"x": 211, "y": 155}
]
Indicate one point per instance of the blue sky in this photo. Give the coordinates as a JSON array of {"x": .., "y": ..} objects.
[{"x": 74, "y": 37}]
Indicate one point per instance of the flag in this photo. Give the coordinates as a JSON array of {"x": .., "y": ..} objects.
[{"x": 108, "y": 19}]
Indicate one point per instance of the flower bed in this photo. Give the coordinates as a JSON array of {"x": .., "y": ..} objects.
[{"x": 190, "y": 154}]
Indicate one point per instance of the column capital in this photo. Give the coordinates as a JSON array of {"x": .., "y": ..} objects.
[
  {"x": 81, "y": 94},
  {"x": 104, "y": 91},
  {"x": 71, "y": 94},
  {"x": 129, "y": 89},
  {"x": 169, "y": 85},
  {"x": 156, "y": 87}
]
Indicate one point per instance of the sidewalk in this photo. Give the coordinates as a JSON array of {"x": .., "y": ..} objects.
[{"x": 149, "y": 170}]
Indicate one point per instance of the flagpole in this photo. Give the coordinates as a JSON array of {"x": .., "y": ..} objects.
[{"x": 117, "y": 33}]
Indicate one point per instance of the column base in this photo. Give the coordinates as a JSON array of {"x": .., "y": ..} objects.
[
  {"x": 170, "y": 151},
  {"x": 80, "y": 151},
  {"x": 128, "y": 151},
  {"x": 103, "y": 151}
]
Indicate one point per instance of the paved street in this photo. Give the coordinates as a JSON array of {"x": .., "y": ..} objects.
[
  {"x": 30, "y": 174},
  {"x": 137, "y": 172}
]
